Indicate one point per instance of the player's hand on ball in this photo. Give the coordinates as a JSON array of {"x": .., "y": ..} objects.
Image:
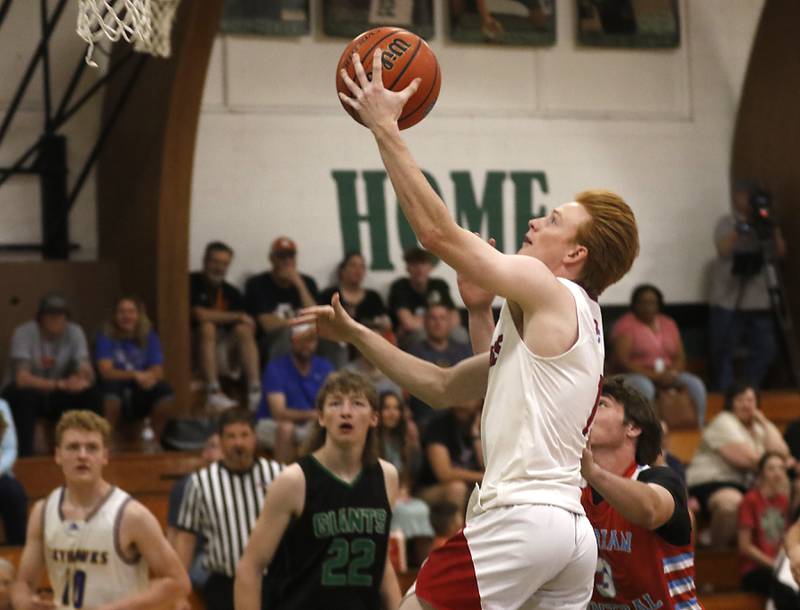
[
  {"x": 376, "y": 105},
  {"x": 332, "y": 321}
]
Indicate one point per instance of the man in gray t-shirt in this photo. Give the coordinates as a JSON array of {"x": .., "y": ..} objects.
[
  {"x": 740, "y": 307},
  {"x": 50, "y": 371}
]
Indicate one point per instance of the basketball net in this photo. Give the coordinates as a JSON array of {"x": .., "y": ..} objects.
[{"x": 145, "y": 23}]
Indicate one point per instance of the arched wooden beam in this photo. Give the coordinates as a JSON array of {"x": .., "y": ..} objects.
[
  {"x": 144, "y": 178},
  {"x": 768, "y": 128}
]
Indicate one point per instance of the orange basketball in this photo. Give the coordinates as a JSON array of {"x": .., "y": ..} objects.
[{"x": 405, "y": 57}]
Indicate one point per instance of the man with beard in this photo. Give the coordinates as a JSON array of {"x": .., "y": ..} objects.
[
  {"x": 222, "y": 328},
  {"x": 222, "y": 503}
]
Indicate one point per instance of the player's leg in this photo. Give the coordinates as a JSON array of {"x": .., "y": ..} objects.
[{"x": 571, "y": 589}]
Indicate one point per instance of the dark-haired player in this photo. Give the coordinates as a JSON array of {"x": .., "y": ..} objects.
[
  {"x": 324, "y": 530},
  {"x": 638, "y": 512}
]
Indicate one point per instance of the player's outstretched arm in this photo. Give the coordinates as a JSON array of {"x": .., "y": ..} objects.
[
  {"x": 439, "y": 387},
  {"x": 284, "y": 500},
  {"x": 648, "y": 505},
  {"x": 522, "y": 279},
  {"x": 479, "y": 307},
  {"x": 140, "y": 532},
  {"x": 24, "y": 593}
]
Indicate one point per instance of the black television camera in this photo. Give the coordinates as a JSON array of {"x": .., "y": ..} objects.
[
  {"x": 761, "y": 219},
  {"x": 762, "y": 224}
]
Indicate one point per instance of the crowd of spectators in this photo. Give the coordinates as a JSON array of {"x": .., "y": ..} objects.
[{"x": 255, "y": 365}]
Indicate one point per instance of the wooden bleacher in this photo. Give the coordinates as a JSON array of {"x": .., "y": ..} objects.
[{"x": 149, "y": 478}]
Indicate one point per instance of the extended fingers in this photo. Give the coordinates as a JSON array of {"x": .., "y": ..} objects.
[
  {"x": 377, "y": 68},
  {"x": 361, "y": 75},
  {"x": 351, "y": 85},
  {"x": 406, "y": 93}
]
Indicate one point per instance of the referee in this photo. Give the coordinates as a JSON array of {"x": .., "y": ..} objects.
[{"x": 222, "y": 503}]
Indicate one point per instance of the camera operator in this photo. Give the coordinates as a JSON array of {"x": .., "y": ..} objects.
[{"x": 740, "y": 305}]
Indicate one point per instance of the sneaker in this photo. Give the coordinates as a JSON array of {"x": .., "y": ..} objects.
[
  {"x": 217, "y": 402},
  {"x": 254, "y": 398}
]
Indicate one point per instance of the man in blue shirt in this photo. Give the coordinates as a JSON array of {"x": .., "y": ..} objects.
[{"x": 290, "y": 386}]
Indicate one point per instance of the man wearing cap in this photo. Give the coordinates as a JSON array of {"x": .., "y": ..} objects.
[
  {"x": 276, "y": 295},
  {"x": 50, "y": 371},
  {"x": 409, "y": 297},
  {"x": 291, "y": 384}
]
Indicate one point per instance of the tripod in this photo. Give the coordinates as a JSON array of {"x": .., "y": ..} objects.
[{"x": 777, "y": 301}]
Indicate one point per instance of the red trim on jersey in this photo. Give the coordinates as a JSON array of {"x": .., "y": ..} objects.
[{"x": 447, "y": 580}]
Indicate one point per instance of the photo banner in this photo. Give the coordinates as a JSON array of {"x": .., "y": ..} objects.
[
  {"x": 349, "y": 18},
  {"x": 638, "y": 24},
  {"x": 265, "y": 17},
  {"x": 507, "y": 22}
]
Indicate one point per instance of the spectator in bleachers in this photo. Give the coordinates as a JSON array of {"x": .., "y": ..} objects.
[
  {"x": 130, "y": 364},
  {"x": 363, "y": 305},
  {"x": 400, "y": 447},
  {"x": 224, "y": 333},
  {"x": 453, "y": 455},
  {"x": 7, "y": 574},
  {"x": 740, "y": 307},
  {"x": 726, "y": 460},
  {"x": 447, "y": 520},
  {"x": 364, "y": 367},
  {"x": 198, "y": 574},
  {"x": 648, "y": 348},
  {"x": 222, "y": 502},
  {"x": 409, "y": 298},
  {"x": 290, "y": 384},
  {"x": 438, "y": 347},
  {"x": 668, "y": 458},
  {"x": 275, "y": 296},
  {"x": 13, "y": 499},
  {"x": 50, "y": 370},
  {"x": 763, "y": 519}
]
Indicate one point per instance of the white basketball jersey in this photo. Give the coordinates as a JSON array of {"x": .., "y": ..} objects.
[
  {"x": 84, "y": 562},
  {"x": 537, "y": 413}
]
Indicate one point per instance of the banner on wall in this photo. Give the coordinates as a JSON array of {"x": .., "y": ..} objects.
[
  {"x": 511, "y": 22},
  {"x": 349, "y": 18},
  {"x": 629, "y": 23},
  {"x": 267, "y": 17}
]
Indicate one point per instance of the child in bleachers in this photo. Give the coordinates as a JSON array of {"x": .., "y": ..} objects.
[
  {"x": 447, "y": 520},
  {"x": 763, "y": 518}
]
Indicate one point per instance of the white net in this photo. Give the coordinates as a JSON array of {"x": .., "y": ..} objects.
[{"x": 145, "y": 23}]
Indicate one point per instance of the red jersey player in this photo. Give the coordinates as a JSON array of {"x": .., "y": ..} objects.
[{"x": 639, "y": 513}]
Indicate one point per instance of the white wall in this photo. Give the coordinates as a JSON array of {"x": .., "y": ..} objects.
[
  {"x": 20, "y": 207},
  {"x": 654, "y": 125}
]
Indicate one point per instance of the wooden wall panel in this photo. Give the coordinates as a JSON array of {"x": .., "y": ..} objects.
[
  {"x": 768, "y": 127},
  {"x": 145, "y": 179},
  {"x": 90, "y": 288}
]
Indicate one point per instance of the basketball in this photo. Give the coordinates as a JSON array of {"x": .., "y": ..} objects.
[{"x": 405, "y": 57}]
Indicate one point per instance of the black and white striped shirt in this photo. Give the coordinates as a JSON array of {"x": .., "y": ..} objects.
[{"x": 223, "y": 505}]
